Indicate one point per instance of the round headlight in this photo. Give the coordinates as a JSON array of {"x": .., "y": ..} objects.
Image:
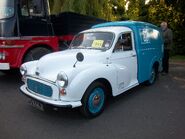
[
  {"x": 62, "y": 79},
  {"x": 23, "y": 70}
]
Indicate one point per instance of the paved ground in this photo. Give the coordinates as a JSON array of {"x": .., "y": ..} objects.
[{"x": 155, "y": 112}]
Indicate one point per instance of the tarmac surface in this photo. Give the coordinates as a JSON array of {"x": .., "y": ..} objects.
[{"x": 145, "y": 112}]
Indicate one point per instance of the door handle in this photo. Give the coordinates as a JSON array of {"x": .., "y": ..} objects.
[
  {"x": 133, "y": 55},
  {"x": 43, "y": 19}
]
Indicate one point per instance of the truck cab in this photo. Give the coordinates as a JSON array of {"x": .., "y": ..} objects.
[{"x": 108, "y": 59}]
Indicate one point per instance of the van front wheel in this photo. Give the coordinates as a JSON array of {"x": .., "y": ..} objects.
[{"x": 93, "y": 101}]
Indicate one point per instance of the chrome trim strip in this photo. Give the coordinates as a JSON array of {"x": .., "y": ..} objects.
[
  {"x": 40, "y": 41},
  {"x": 25, "y": 37},
  {"x": 39, "y": 78},
  {"x": 11, "y": 46},
  {"x": 10, "y": 38}
]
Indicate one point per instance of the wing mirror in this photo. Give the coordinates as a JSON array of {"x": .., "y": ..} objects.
[{"x": 79, "y": 58}]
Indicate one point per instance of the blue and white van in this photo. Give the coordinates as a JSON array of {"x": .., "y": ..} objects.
[{"x": 108, "y": 59}]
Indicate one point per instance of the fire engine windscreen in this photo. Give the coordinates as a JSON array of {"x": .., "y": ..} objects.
[{"x": 6, "y": 9}]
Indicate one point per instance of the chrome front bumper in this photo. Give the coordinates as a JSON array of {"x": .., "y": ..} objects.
[{"x": 55, "y": 103}]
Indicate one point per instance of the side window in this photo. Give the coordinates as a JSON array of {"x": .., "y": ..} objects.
[
  {"x": 145, "y": 35},
  {"x": 124, "y": 43},
  {"x": 32, "y": 8}
]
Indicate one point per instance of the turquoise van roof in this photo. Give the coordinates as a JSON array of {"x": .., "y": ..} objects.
[{"x": 130, "y": 24}]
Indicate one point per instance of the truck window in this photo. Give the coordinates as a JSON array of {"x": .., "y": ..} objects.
[
  {"x": 124, "y": 43},
  {"x": 6, "y": 9},
  {"x": 32, "y": 8},
  {"x": 149, "y": 35}
]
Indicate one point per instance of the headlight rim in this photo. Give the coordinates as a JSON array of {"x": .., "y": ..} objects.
[
  {"x": 62, "y": 76},
  {"x": 23, "y": 70}
]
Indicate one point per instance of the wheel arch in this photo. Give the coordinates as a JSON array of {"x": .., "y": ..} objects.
[
  {"x": 83, "y": 79},
  {"x": 34, "y": 47},
  {"x": 152, "y": 79},
  {"x": 106, "y": 83},
  {"x": 156, "y": 66},
  {"x": 155, "y": 62}
]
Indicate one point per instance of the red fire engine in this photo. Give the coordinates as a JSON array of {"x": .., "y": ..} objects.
[{"x": 28, "y": 30}]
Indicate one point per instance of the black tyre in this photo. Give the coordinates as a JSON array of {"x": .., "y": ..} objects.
[
  {"x": 36, "y": 54},
  {"x": 153, "y": 76},
  {"x": 93, "y": 101},
  {"x": 11, "y": 71}
]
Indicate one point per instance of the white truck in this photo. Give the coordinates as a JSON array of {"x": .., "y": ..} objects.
[{"x": 108, "y": 59}]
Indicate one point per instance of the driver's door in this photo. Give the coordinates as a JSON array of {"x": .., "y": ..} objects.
[{"x": 125, "y": 59}]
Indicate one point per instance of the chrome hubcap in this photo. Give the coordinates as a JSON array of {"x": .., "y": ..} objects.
[{"x": 96, "y": 100}]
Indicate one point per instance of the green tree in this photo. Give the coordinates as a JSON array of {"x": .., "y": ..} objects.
[
  {"x": 118, "y": 9},
  {"x": 56, "y": 6},
  {"x": 155, "y": 12},
  {"x": 88, "y": 7},
  {"x": 133, "y": 11}
]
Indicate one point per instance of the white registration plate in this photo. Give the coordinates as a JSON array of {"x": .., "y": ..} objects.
[
  {"x": 4, "y": 66},
  {"x": 36, "y": 104}
]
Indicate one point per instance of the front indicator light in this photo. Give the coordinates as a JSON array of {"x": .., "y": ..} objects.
[{"x": 62, "y": 92}]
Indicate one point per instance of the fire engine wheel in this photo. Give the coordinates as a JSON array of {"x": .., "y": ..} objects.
[
  {"x": 93, "y": 101},
  {"x": 36, "y": 54},
  {"x": 11, "y": 71}
]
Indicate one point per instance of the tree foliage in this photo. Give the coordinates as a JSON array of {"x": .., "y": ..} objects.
[
  {"x": 155, "y": 12},
  {"x": 87, "y": 7}
]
